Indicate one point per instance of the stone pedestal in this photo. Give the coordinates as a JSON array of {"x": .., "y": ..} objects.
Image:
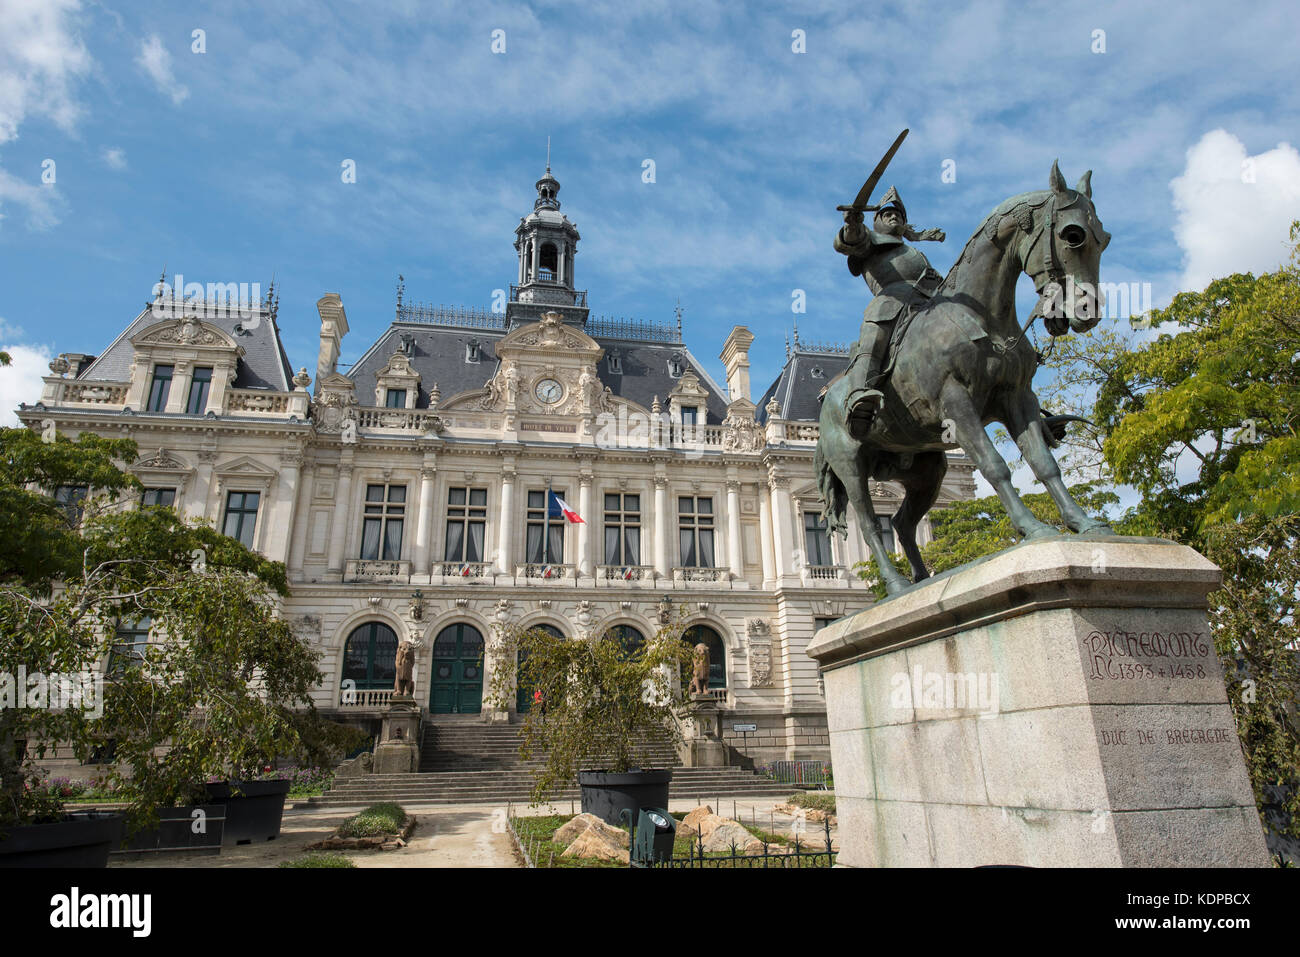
[
  {"x": 703, "y": 747},
  {"x": 1057, "y": 704},
  {"x": 398, "y": 751}
]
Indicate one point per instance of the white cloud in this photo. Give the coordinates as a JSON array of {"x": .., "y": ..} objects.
[
  {"x": 40, "y": 201},
  {"x": 115, "y": 157},
  {"x": 40, "y": 57},
  {"x": 21, "y": 381},
  {"x": 157, "y": 62},
  {"x": 1234, "y": 210}
]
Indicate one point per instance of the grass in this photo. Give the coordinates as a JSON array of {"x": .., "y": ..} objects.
[
  {"x": 319, "y": 860},
  {"x": 385, "y": 818}
]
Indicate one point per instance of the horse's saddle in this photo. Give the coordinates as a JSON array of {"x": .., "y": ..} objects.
[{"x": 962, "y": 319}]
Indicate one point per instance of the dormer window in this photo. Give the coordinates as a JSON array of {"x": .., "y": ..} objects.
[
  {"x": 676, "y": 365},
  {"x": 472, "y": 351},
  {"x": 615, "y": 363},
  {"x": 817, "y": 372},
  {"x": 408, "y": 344},
  {"x": 395, "y": 399}
]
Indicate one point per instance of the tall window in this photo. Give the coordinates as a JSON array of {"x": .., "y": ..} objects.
[
  {"x": 241, "y": 516},
  {"x": 69, "y": 498},
  {"x": 816, "y": 540},
  {"x": 381, "y": 535},
  {"x": 200, "y": 385},
  {"x": 466, "y": 521},
  {"x": 370, "y": 656},
  {"x": 545, "y": 544},
  {"x": 160, "y": 388},
  {"x": 695, "y": 530},
  {"x": 622, "y": 529},
  {"x": 130, "y": 641},
  {"x": 886, "y": 525},
  {"x": 165, "y": 497},
  {"x": 690, "y": 413},
  {"x": 395, "y": 399}
]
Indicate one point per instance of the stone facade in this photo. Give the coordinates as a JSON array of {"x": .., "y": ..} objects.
[{"x": 539, "y": 398}]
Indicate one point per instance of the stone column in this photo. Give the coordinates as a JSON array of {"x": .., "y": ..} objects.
[
  {"x": 562, "y": 255},
  {"x": 196, "y": 501},
  {"x": 584, "y": 530},
  {"x": 506, "y": 531},
  {"x": 281, "y": 512},
  {"x": 532, "y": 276},
  {"x": 735, "y": 555},
  {"x": 782, "y": 540},
  {"x": 661, "y": 527},
  {"x": 342, "y": 514},
  {"x": 765, "y": 531},
  {"x": 182, "y": 372},
  {"x": 424, "y": 517},
  {"x": 301, "y": 519}
]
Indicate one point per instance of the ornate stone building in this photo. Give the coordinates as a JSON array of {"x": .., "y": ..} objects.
[{"x": 412, "y": 494}]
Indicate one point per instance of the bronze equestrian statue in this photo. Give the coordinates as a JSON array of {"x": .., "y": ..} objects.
[{"x": 959, "y": 359}]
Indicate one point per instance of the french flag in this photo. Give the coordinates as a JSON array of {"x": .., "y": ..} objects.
[{"x": 557, "y": 507}]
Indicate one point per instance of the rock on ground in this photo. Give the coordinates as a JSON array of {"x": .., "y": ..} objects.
[
  {"x": 690, "y": 824},
  {"x": 602, "y": 842},
  {"x": 724, "y": 834}
]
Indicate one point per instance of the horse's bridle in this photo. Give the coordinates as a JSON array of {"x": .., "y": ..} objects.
[{"x": 1051, "y": 266}]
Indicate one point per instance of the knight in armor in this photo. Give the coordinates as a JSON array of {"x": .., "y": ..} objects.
[{"x": 900, "y": 277}]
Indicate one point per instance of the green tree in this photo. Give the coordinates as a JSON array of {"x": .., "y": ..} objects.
[{"x": 222, "y": 692}]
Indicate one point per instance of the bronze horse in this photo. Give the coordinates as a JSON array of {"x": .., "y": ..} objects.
[{"x": 963, "y": 362}]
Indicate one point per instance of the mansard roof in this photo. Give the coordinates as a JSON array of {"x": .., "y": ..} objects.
[
  {"x": 808, "y": 369},
  {"x": 440, "y": 357},
  {"x": 263, "y": 365}
]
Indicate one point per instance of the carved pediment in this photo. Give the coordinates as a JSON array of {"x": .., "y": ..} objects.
[
  {"x": 160, "y": 461},
  {"x": 187, "y": 331},
  {"x": 245, "y": 467}
]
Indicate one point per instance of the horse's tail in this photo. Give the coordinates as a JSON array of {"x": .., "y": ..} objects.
[{"x": 834, "y": 494}]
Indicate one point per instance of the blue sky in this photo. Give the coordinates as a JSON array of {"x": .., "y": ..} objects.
[{"x": 225, "y": 165}]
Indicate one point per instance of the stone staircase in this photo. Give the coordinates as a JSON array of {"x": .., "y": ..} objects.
[{"x": 463, "y": 761}]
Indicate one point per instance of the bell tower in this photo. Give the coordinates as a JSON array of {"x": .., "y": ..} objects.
[{"x": 547, "y": 243}]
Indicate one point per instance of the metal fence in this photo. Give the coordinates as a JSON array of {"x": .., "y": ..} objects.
[{"x": 805, "y": 773}]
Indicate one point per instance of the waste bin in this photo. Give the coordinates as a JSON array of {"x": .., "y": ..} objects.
[{"x": 656, "y": 830}]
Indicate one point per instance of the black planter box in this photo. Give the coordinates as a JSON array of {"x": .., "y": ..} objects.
[
  {"x": 84, "y": 839},
  {"x": 605, "y": 794},
  {"x": 254, "y": 815},
  {"x": 175, "y": 832}
]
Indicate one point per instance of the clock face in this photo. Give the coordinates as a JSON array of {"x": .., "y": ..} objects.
[{"x": 549, "y": 391}]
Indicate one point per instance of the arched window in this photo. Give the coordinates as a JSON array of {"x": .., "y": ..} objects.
[
  {"x": 629, "y": 638},
  {"x": 370, "y": 656},
  {"x": 548, "y": 262},
  {"x": 524, "y": 691},
  {"x": 703, "y": 634}
]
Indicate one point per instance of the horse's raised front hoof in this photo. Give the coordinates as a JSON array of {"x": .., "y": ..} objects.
[{"x": 896, "y": 585}]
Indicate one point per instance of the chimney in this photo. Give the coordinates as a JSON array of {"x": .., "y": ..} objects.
[
  {"x": 735, "y": 356},
  {"x": 333, "y": 327}
]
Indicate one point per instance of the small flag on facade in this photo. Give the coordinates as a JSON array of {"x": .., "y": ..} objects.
[
  {"x": 557, "y": 507},
  {"x": 464, "y": 571}
]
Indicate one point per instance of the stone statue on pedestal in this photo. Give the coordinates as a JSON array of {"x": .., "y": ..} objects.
[{"x": 404, "y": 685}]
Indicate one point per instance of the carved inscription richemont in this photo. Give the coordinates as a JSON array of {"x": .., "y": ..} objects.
[{"x": 1128, "y": 655}]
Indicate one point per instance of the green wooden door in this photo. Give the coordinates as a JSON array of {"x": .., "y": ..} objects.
[{"x": 457, "y": 671}]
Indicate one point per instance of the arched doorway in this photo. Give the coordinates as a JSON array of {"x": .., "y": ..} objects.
[
  {"x": 703, "y": 634},
  {"x": 370, "y": 657},
  {"x": 457, "y": 671},
  {"x": 524, "y": 695}
]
